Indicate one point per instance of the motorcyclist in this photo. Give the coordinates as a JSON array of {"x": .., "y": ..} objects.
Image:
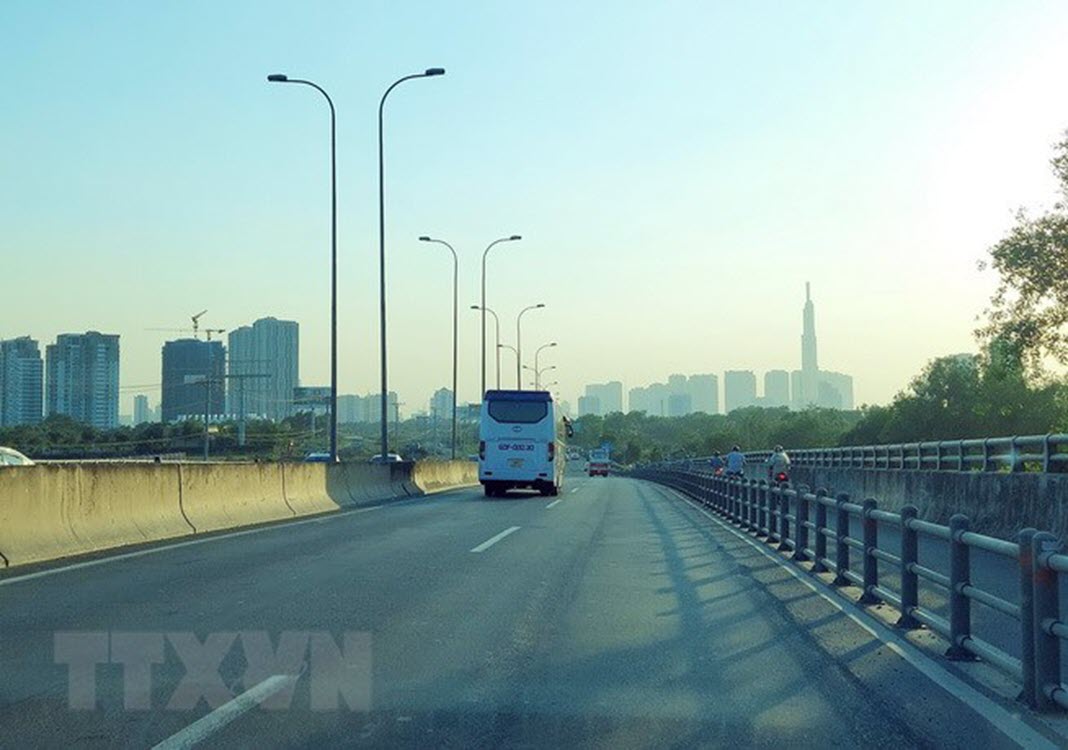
[
  {"x": 716, "y": 463},
  {"x": 778, "y": 463},
  {"x": 736, "y": 462}
]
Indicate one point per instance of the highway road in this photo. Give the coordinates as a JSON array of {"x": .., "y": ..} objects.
[{"x": 618, "y": 615}]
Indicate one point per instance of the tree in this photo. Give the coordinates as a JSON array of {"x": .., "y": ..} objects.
[{"x": 1030, "y": 307}]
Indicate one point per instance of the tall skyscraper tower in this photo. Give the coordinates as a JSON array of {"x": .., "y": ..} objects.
[
  {"x": 21, "y": 382},
  {"x": 187, "y": 365},
  {"x": 264, "y": 368},
  {"x": 808, "y": 335},
  {"x": 83, "y": 378}
]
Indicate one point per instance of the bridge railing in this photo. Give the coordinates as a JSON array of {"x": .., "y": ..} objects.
[
  {"x": 1038, "y": 453},
  {"x": 815, "y": 529}
]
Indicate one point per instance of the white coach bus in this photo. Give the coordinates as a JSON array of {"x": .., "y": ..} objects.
[{"x": 521, "y": 443}]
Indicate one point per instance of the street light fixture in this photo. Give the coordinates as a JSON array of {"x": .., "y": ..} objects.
[
  {"x": 550, "y": 345},
  {"x": 519, "y": 344},
  {"x": 281, "y": 78},
  {"x": 537, "y": 373},
  {"x": 512, "y": 349},
  {"x": 513, "y": 238},
  {"x": 497, "y": 349},
  {"x": 455, "y": 326},
  {"x": 428, "y": 73}
]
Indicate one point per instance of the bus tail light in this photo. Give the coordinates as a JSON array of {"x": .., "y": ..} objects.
[
  {"x": 552, "y": 451},
  {"x": 481, "y": 450}
]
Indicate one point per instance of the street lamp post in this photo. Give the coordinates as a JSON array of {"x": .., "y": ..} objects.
[
  {"x": 279, "y": 78},
  {"x": 429, "y": 72},
  {"x": 497, "y": 339},
  {"x": 513, "y": 238},
  {"x": 510, "y": 348},
  {"x": 519, "y": 344},
  {"x": 537, "y": 374},
  {"x": 537, "y": 351},
  {"x": 455, "y": 326}
]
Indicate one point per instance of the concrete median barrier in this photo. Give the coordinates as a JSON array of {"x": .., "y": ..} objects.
[
  {"x": 434, "y": 476},
  {"x": 306, "y": 489},
  {"x": 48, "y": 512},
  {"x": 354, "y": 483},
  {"x": 223, "y": 496}
]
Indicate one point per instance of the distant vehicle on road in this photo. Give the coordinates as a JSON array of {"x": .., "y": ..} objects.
[
  {"x": 11, "y": 457},
  {"x": 521, "y": 443},
  {"x": 318, "y": 457},
  {"x": 599, "y": 463},
  {"x": 391, "y": 458}
]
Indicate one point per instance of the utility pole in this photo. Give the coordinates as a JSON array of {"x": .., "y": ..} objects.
[{"x": 396, "y": 422}]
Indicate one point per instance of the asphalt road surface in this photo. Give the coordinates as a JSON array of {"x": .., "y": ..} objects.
[{"x": 618, "y": 615}]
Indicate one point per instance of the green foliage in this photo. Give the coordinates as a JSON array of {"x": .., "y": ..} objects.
[
  {"x": 967, "y": 396},
  {"x": 640, "y": 437},
  {"x": 1029, "y": 310}
]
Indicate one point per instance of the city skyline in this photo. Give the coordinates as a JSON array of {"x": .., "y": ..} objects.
[{"x": 168, "y": 231}]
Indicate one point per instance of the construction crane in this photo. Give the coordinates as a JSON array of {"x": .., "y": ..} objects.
[{"x": 195, "y": 330}]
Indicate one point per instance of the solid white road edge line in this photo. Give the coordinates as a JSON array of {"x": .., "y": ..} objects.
[
  {"x": 554, "y": 502},
  {"x": 208, "y": 725},
  {"x": 1009, "y": 724},
  {"x": 494, "y": 539},
  {"x": 203, "y": 540}
]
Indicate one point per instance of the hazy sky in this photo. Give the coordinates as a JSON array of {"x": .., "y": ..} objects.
[{"x": 677, "y": 170}]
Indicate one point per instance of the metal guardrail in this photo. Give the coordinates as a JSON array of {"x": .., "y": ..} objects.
[
  {"x": 815, "y": 528},
  {"x": 1047, "y": 453}
]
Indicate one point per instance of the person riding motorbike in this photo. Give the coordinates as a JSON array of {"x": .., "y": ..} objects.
[
  {"x": 716, "y": 464},
  {"x": 735, "y": 462},
  {"x": 779, "y": 465}
]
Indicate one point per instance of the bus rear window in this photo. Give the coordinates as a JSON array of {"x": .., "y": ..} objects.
[{"x": 522, "y": 412}]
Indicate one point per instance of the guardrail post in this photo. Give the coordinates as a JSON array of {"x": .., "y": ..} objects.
[
  {"x": 1046, "y": 611},
  {"x": 841, "y": 530},
  {"x": 1047, "y": 450},
  {"x": 750, "y": 507},
  {"x": 761, "y": 491},
  {"x": 801, "y": 532},
  {"x": 910, "y": 584},
  {"x": 821, "y": 540},
  {"x": 784, "y": 522},
  {"x": 871, "y": 565},
  {"x": 1017, "y": 464},
  {"x": 1027, "y": 616},
  {"x": 960, "y": 606}
]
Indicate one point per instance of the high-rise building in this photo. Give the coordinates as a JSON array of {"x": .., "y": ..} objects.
[
  {"x": 679, "y": 405},
  {"x": 141, "y": 413},
  {"x": 739, "y": 389},
  {"x": 83, "y": 378},
  {"x": 264, "y": 368},
  {"x": 589, "y": 405},
  {"x": 609, "y": 396},
  {"x": 351, "y": 409},
  {"x": 776, "y": 388},
  {"x": 836, "y": 390},
  {"x": 810, "y": 385},
  {"x": 809, "y": 362},
  {"x": 704, "y": 393},
  {"x": 193, "y": 373},
  {"x": 21, "y": 382},
  {"x": 441, "y": 404}
]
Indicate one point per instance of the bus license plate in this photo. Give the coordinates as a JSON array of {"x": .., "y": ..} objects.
[{"x": 515, "y": 463}]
